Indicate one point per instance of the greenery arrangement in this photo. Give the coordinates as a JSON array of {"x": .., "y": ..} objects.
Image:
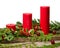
[
  {"x": 33, "y": 35},
  {"x": 7, "y": 35}
]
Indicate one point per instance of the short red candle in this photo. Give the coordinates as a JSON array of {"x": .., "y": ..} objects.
[
  {"x": 44, "y": 19},
  {"x": 27, "y": 21},
  {"x": 11, "y": 26}
]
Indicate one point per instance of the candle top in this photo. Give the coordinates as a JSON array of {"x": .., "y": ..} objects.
[
  {"x": 45, "y": 6},
  {"x": 27, "y": 13},
  {"x": 10, "y": 24}
]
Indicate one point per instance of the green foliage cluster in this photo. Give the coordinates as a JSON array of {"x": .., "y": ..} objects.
[
  {"x": 54, "y": 25},
  {"x": 42, "y": 37},
  {"x": 7, "y": 34}
]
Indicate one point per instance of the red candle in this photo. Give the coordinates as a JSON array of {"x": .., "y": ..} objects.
[
  {"x": 44, "y": 19},
  {"x": 11, "y": 26},
  {"x": 27, "y": 21}
]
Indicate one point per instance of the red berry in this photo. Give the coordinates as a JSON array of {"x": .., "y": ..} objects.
[
  {"x": 52, "y": 41},
  {"x": 26, "y": 34},
  {"x": 3, "y": 37},
  {"x": 35, "y": 30},
  {"x": 37, "y": 33},
  {"x": 54, "y": 32},
  {"x": 36, "y": 27}
]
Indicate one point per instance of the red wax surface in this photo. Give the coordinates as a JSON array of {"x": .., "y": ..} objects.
[
  {"x": 44, "y": 19},
  {"x": 27, "y": 21},
  {"x": 11, "y": 26}
]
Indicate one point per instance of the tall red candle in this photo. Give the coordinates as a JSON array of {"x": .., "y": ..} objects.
[
  {"x": 27, "y": 21},
  {"x": 11, "y": 26},
  {"x": 44, "y": 19}
]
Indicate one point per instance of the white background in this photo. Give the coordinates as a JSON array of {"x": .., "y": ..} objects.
[{"x": 12, "y": 10}]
